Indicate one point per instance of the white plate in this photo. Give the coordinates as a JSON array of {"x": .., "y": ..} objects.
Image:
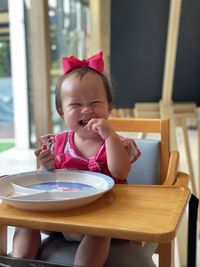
[{"x": 53, "y": 190}]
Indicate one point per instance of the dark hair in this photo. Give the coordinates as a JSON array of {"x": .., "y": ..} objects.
[{"x": 81, "y": 72}]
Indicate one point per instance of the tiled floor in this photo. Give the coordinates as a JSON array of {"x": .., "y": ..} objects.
[{"x": 15, "y": 161}]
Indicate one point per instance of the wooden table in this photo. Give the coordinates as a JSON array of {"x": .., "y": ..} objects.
[{"x": 143, "y": 213}]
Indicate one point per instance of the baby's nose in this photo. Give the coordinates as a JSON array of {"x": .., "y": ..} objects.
[{"x": 87, "y": 109}]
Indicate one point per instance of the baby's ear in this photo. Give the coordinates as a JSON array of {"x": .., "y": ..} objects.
[
  {"x": 60, "y": 111},
  {"x": 110, "y": 107}
]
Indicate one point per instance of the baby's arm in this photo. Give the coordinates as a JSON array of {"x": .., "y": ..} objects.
[{"x": 118, "y": 159}]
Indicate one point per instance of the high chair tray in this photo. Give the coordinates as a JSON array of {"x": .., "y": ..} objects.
[{"x": 53, "y": 190}]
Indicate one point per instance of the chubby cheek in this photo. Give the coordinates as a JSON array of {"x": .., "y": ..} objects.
[
  {"x": 70, "y": 118},
  {"x": 103, "y": 112}
]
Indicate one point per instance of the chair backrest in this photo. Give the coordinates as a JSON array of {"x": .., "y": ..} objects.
[
  {"x": 152, "y": 166},
  {"x": 147, "y": 163}
]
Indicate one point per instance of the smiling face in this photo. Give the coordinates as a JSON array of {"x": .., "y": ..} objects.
[{"x": 83, "y": 99}]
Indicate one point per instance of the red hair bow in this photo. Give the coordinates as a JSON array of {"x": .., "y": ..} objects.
[{"x": 94, "y": 62}]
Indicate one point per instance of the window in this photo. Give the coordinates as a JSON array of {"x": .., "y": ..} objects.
[
  {"x": 69, "y": 24},
  {"x": 6, "y": 94}
]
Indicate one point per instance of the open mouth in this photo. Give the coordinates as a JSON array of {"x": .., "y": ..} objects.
[{"x": 83, "y": 122}]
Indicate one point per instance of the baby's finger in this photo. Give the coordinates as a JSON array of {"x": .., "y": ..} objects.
[
  {"x": 91, "y": 124},
  {"x": 47, "y": 158},
  {"x": 44, "y": 153},
  {"x": 37, "y": 152}
]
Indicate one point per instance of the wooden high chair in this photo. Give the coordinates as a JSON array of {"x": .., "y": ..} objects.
[{"x": 156, "y": 165}]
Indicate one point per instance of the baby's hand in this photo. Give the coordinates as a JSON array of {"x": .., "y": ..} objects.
[
  {"x": 100, "y": 126},
  {"x": 45, "y": 157}
]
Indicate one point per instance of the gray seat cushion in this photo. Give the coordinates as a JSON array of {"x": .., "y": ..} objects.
[
  {"x": 146, "y": 170},
  {"x": 123, "y": 253}
]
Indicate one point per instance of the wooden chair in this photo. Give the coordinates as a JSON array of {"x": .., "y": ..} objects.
[{"x": 161, "y": 165}]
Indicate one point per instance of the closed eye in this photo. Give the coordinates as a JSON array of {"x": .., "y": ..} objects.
[
  {"x": 95, "y": 102},
  {"x": 75, "y": 104}
]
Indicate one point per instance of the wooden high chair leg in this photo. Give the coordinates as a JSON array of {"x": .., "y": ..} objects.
[
  {"x": 166, "y": 254},
  {"x": 3, "y": 240}
]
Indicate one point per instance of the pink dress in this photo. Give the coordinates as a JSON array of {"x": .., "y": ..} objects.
[{"x": 67, "y": 155}]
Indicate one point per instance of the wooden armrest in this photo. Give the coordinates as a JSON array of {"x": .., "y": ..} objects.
[
  {"x": 172, "y": 169},
  {"x": 182, "y": 179}
]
